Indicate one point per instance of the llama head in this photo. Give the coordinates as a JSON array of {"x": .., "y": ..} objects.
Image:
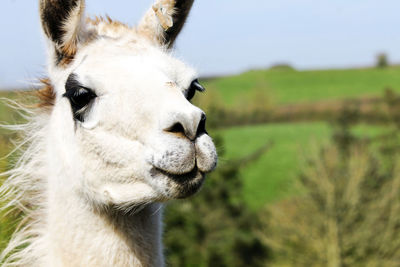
[{"x": 122, "y": 117}]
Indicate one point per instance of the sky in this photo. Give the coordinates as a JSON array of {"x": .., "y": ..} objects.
[{"x": 225, "y": 37}]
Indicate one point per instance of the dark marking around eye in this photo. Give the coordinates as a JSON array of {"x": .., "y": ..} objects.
[
  {"x": 79, "y": 96},
  {"x": 194, "y": 86}
]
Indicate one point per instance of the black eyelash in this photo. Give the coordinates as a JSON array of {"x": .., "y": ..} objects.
[
  {"x": 194, "y": 86},
  {"x": 79, "y": 97}
]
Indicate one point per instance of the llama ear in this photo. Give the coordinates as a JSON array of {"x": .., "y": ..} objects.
[
  {"x": 164, "y": 21},
  {"x": 62, "y": 22}
]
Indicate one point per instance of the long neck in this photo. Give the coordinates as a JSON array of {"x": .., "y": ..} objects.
[{"x": 77, "y": 235}]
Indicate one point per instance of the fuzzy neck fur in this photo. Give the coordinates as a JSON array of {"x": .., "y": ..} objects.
[
  {"x": 88, "y": 237},
  {"x": 60, "y": 227}
]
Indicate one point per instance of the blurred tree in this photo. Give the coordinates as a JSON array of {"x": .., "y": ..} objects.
[
  {"x": 382, "y": 61},
  {"x": 282, "y": 67},
  {"x": 349, "y": 211}
]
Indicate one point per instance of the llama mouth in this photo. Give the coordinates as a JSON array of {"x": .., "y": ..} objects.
[
  {"x": 179, "y": 178},
  {"x": 185, "y": 185}
]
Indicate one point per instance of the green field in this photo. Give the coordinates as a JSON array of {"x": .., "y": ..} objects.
[
  {"x": 270, "y": 177},
  {"x": 290, "y": 86}
]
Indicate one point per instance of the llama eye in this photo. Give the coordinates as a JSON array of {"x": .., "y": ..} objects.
[
  {"x": 194, "y": 86},
  {"x": 80, "y": 99}
]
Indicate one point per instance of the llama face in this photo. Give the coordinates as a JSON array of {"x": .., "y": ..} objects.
[
  {"x": 138, "y": 133},
  {"x": 135, "y": 135}
]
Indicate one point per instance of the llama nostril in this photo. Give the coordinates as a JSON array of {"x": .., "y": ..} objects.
[
  {"x": 189, "y": 130},
  {"x": 201, "y": 129},
  {"x": 177, "y": 128}
]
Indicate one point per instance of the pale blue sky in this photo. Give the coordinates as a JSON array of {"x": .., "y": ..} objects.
[{"x": 230, "y": 36}]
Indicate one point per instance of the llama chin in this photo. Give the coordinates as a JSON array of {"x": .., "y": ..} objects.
[{"x": 115, "y": 135}]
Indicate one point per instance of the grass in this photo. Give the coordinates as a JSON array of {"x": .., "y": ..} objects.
[
  {"x": 270, "y": 178},
  {"x": 290, "y": 86}
]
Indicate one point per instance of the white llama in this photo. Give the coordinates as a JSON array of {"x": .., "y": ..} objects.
[{"x": 114, "y": 137}]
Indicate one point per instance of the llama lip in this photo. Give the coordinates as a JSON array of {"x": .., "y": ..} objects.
[
  {"x": 179, "y": 178},
  {"x": 185, "y": 185}
]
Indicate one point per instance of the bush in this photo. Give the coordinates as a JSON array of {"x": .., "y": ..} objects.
[
  {"x": 348, "y": 211},
  {"x": 253, "y": 109},
  {"x": 382, "y": 61},
  {"x": 282, "y": 67}
]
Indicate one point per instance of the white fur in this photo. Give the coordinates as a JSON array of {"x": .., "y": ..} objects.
[{"x": 92, "y": 191}]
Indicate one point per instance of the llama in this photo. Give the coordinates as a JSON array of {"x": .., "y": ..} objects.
[{"x": 113, "y": 138}]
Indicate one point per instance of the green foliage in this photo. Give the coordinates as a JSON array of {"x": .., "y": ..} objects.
[
  {"x": 282, "y": 67},
  {"x": 349, "y": 215},
  {"x": 215, "y": 228}
]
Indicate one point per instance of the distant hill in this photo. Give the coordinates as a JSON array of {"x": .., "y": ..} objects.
[{"x": 285, "y": 85}]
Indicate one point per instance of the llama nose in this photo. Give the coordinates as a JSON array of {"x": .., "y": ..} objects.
[{"x": 189, "y": 126}]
